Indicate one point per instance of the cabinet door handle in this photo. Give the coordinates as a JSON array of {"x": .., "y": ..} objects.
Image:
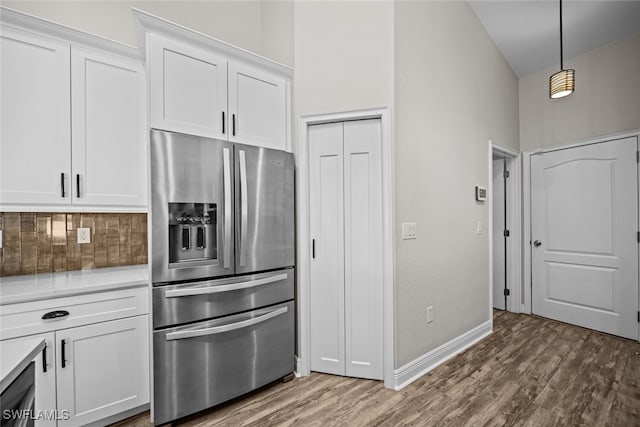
[
  {"x": 62, "y": 353},
  {"x": 78, "y": 185},
  {"x": 62, "y": 184},
  {"x": 233, "y": 124},
  {"x": 223, "y": 122},
  {"x": 313, "y": 248},
  {"x": 44, "y": 359}
]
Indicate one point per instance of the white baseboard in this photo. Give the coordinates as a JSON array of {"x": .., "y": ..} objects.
[{"x": 413, "y": 370}]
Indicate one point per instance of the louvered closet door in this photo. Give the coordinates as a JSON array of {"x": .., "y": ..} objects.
[{"x": 346, "y": 271}]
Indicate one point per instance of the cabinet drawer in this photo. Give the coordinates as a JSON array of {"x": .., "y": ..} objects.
[{"x": 26, "y": 318}]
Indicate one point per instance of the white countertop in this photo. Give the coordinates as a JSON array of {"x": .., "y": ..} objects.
[
  {"x": 16, "y": 355},
  {"x": 34, "y": 287}
]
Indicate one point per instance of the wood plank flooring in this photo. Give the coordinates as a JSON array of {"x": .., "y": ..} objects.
[{"x": 529, "y": 372}]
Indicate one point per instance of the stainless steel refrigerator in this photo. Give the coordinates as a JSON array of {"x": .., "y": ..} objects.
[{"x": 222, "y": 254}]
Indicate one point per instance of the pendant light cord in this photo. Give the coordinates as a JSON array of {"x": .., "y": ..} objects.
[{"x": 561, "y": 65}]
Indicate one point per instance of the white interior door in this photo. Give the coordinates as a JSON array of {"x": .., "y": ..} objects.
[
  {"x": 327, "y": 263},
  {"x": 584, "y": 226},
  {"x": 346, "y": 267},
  {"x": 363, "y": 248},
  {"x": 499, "y": 225}
]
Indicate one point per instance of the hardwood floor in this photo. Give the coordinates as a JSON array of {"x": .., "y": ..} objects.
[{"x": 529, "y": 372}]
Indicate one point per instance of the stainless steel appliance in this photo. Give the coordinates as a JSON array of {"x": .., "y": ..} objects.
[{"x": 222, "y": 268}]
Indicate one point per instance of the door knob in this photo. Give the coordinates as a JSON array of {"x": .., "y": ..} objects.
[{"x": 537, "y": 243}]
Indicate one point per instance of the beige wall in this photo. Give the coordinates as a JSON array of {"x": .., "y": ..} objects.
[
  {"x": 343, "y": 55},
  {"x": 606, "y": 100},
  {"x": 236, "y": 22},
  {"x": 453, "y": 93}
]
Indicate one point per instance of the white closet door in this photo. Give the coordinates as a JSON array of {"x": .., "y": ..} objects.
[
  {"x": 584, "y": 225},
  {"x": 363, "y": 249},
  {"x": 327, "y": 266},
  {"x": 499, "y": 255}
]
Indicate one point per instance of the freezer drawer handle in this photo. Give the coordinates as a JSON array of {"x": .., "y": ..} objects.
[
  {"x": 173, "y": 293},
  {"x": 225, "y": 328}
]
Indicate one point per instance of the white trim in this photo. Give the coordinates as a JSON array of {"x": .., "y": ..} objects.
[
  {"x": 514, "y": 252},
  {"x": 67, "y": 34},
  {"x": 303, "y": 241},
  {"x": 589, "y": 141},
  {"x": 73, "y": 208},
  {"x": 147, "y": 22},
  {"x": 415, "y": 369}
]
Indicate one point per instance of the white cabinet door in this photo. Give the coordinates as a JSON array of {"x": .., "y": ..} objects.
[
  {"x": 105, "y": 369},
  {"x": 108, "y": 129},
  {"x": 35, "y": 142},
  {"x": 188, "y": 88},
  {"x": 257, "y": 106},
  {"x": 45, "y": 379},
  {"x": 327, "y": 264}
]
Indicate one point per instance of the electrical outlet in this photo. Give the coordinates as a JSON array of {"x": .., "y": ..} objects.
[
  {"x": 430, "y": 314},
  {"x": 478, "y": 227},
  {"x": 84, "y": 235},
  {"x": 0, "y": 239}
]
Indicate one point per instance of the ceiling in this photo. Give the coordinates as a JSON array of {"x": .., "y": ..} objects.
[{"x": 528, "y": 34}]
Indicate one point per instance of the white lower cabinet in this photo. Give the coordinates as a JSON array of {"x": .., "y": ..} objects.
[
  {"x": 102, "y": 369},
  {"x": 94, "y": 370}
]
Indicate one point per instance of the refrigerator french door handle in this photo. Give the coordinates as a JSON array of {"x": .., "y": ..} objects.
[
  {"x": 225, "y": 328},
  {"x": 243, "y": 208},
  {"x": 226, "y": 163},
  {"x": 203, "y": 290}
]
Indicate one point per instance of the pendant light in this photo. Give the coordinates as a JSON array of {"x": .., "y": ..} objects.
[{"x": 563, "y": 82}]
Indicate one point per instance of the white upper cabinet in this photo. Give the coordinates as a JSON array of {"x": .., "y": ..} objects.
[
  {"x": 188, "y": 88},
  {"x": 35, "y": 143},
  {"x": 203, "y": 86},
  {"x": 73, "y": 111},
  {"x": 257, "y": 105},
  {"x": 108, "y": 132}
]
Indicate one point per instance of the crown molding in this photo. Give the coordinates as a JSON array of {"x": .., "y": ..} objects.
[
  {"x": 147, "y": 23},
  {"x": 25, "y": 21}
]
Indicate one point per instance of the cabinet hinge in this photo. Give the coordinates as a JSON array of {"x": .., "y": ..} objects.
[
  {"x": 506, "y": 233},
  {"x": 639, "y": 317},
  {"x": 507, "y": 292},
  {"x": 506, "y": 173},
  {"x": 638, "y": 236}
]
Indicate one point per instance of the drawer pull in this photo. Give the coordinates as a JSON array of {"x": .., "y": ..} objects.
[
  {"x": 225, "y": 328},
  {"x": 173, "y": 293},
  {"x": 55, "y": 314}
]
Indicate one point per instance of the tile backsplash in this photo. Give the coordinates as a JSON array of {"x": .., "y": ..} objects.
[{"x": 47, "y": 242}]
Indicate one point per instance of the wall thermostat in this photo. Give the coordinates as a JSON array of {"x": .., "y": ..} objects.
[{"x": 481, "y": 193}]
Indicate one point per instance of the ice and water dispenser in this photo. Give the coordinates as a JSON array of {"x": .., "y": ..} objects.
[{"x": 192, "y": 232}]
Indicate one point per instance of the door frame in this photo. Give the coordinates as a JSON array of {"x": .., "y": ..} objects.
[
  {"x": 526, "y": 213},
  {"x": 513, "y": 219},
  {"x": 303, "y": 365}
]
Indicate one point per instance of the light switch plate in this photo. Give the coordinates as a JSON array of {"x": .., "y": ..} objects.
[
  {"x": 408, "y": 230},
  {"x": 479, "y": 227},
  {"x": 84, "y": 235},
  {"x": 0, "y": 239}
]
